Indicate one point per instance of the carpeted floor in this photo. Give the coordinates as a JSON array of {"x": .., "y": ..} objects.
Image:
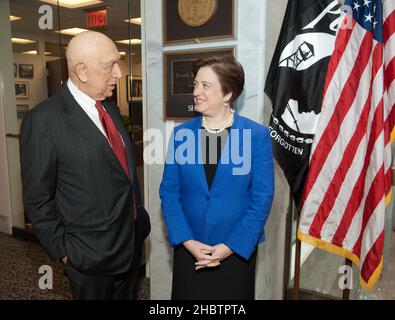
[{"x": 20, "y": 261}]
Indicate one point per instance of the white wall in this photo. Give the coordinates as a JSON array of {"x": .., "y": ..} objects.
[
  {"x": 37, "y": 85},
  {"x": 11, "y": 209},
  {"x": 257, "y": 26},
  {"x": 5, "y": 203},
  {"x": 121, "y": 90}
]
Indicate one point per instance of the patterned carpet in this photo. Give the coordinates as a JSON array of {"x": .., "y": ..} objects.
[{"x": 20, "y": 261}]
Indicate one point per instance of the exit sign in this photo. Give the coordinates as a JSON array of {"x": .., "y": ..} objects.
[{"x": 97, "y": 18}]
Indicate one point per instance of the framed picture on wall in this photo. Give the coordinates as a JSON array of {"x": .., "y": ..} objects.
[
  {"x": 21, "y": 110},
  {"x": 26, "y": 71},
  {"x": 178, "y": 81},
  {"x": 22, "y": 89},
  {"x": 134, "y": 88},
  {"x": 196, "y": 21}
]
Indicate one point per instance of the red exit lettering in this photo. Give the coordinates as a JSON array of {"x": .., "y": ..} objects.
[{"x": 97, "y": 18}]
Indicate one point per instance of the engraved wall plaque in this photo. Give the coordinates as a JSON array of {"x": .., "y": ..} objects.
[
  {"x": 195, "y": 13},
  {"x": 194, "y": 21},
  {"x": 178, "y": 80}
]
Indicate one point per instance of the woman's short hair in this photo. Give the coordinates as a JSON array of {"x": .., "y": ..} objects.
[{"x": 229, "y": 72}]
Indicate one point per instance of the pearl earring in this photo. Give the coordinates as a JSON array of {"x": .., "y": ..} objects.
[{"x": 226, "y": 104}]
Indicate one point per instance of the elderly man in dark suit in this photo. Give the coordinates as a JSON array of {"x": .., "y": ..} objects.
[{"x": 80, "y": 187}]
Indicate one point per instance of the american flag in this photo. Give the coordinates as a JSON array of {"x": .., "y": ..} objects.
[{"x": 349, "y": 179}]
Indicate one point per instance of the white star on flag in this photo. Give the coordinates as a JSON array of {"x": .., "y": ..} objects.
[{"x": 369, "y": 18}]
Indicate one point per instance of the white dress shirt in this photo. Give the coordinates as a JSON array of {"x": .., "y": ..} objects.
[{"x": 87, "y": 104}]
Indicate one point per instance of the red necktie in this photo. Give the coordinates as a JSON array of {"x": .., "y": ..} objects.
[{"x": 115, "y": 141}]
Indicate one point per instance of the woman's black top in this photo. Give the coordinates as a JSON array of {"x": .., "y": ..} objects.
[{"x": 212, "y": 146}]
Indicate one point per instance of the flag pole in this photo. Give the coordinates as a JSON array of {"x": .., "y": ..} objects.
[
  {"x": 298, "y": 246},
  {"x": 288, "y": 247},
  {"x": 346, "y": 290}
]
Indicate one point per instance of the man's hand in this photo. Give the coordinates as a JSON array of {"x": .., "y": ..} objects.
[
  {"x": 64, "y": 259},
  {"x": 221, "y": 252}
]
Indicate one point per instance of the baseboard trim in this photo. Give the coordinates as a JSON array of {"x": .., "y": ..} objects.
[
  {"x": 24, "y": 234},
  {"x": 305, "y": 294}
]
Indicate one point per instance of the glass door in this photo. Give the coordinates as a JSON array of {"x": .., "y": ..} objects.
[{"x": 41, "y": 30}]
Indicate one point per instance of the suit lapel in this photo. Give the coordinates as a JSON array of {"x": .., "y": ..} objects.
[{"x": 80, "y": 122}]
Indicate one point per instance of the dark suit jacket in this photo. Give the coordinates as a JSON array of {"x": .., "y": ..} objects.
[{"x": 75, "y": 191}]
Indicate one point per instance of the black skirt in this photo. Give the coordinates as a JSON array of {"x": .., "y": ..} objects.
[{"x": 233, "y": 279}]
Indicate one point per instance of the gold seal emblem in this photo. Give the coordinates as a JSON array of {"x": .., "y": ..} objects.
[{"x": 195, "y": 13}]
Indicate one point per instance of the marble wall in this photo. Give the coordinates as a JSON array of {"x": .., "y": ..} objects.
[
  {"x": 11, "y": 209},
  {"x": 258, "y": 23}
]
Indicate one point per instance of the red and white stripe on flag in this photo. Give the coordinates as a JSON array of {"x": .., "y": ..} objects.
[{"x": 349, "y": 179}]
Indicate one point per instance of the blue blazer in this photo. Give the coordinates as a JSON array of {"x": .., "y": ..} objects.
[{"x": 235, "y": 209}]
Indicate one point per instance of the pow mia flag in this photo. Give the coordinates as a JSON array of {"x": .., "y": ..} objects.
[{"x": 295, "y": 83}]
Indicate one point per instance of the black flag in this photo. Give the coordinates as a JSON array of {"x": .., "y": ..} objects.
[{"x": 295, "y": 83}]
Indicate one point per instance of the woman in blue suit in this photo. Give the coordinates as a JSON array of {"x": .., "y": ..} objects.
[{"x": 217, "y": 189}]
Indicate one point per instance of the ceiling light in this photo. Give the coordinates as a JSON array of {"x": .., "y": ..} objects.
[
  {"x": 123, "y": 53},
  {"x": 14, "y": 18},
  {"x": 131, "y": 41},
  {"x": 134, "y": 21},
  {"x": 22, "y": 41},
  {"x": 72, "y": 31},
  {"x": 35, "y": 52},
  {"x": 72, "y": 4}
]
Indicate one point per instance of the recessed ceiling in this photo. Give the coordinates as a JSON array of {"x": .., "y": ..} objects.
[
  {"x": 14, "y": 18},
  {"x": 73, "y": 4},
  {"x": 71, "y": 31},
  {"x": 22, "y": 40},
  {"x": 64, "y": 18},
  {"x": 129, "y": 41}
]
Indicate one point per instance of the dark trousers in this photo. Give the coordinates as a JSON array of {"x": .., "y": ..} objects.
[{"x": 113, "y": 287}]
